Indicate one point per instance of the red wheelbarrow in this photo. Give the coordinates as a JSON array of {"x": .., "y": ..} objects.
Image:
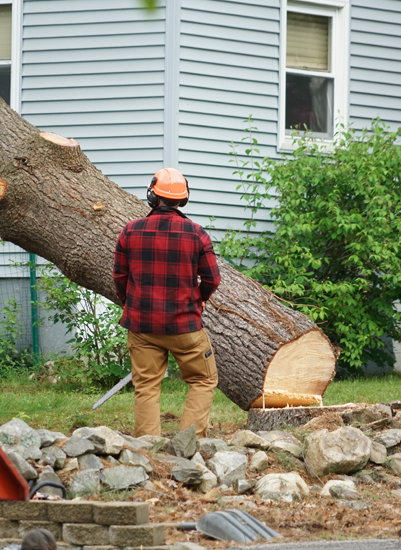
[{"x": 14, "y": 487}]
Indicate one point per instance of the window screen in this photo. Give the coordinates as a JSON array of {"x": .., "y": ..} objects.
[
  {"x": 307, "y": 41},
  {"x": 5, "y": 32}
]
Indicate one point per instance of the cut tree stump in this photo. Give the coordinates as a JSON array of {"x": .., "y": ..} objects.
[
  {"x": 55, "y": 203},
  {"x": 271, "y": 419}
]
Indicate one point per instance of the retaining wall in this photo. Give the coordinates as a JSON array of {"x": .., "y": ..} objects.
[{"x": 83, "y": 524}]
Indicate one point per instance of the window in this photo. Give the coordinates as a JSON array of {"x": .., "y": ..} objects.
[
  {"x": 5, "y": 52},
  {"x": 314, "y": 68}
]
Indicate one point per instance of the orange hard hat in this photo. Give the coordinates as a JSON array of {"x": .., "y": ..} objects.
[{"x": 170, "y": 183}]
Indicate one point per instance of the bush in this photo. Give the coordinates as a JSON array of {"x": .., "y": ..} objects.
[
  {"x": 12, "y": 361},
  {"x": 335, "y": 252},
  {"x": 99, "y": 342}
]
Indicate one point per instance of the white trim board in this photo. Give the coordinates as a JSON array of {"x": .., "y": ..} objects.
[{"x": 340, "y": 11}]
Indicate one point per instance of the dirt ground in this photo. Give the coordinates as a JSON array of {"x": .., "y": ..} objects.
[{"x": 314, "y": 518}]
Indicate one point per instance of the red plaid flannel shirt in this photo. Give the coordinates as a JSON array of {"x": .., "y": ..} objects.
[{"x": 157, "y": 263}]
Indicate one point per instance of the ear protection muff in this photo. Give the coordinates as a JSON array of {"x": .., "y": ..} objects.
[
  {"x": 183, "y": 202},
  {"x": 152, "y": 198}
]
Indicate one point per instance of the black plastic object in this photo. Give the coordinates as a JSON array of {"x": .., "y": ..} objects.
[
  {"x": 35, "y": 489},
  {"x": 231, "y": 525}
]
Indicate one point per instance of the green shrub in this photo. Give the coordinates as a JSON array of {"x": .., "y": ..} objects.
[
  {"x": 12, "y": 361},
  {"x": 335, "y": 252},
  {"x": 97, "y": 339}
]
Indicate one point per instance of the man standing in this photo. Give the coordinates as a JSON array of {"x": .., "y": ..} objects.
[{"x": 157, "y": 263}]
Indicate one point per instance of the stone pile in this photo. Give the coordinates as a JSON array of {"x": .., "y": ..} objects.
[{"x": 92, "y": 458}]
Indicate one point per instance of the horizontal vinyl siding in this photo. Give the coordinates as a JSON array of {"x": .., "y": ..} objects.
[
  {"x": 229, "y": 62},
  {"x": 94, "y": 70},
  {"x": 375, "y": 81}
]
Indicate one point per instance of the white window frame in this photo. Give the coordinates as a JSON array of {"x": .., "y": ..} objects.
[
  {"x": 16, "y": 47},
  {"x": 339, "y": 11}
]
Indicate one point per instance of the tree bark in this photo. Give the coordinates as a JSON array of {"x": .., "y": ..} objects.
[{"x": 55, "y": 203}]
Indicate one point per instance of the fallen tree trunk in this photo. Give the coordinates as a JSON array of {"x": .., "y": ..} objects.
[{"x": 55, "y": 203}]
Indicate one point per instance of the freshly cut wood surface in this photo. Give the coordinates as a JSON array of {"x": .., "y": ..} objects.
[
  {"x": 306, "y": 365},
  {"x": 59, "y": 140},
  {"x": 284, "y": 398},
  {"x": 61, "y": 207}
]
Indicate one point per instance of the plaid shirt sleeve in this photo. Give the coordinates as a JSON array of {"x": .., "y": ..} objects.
[
  {"x": 207, "y": 268},
  {"x": 121, "y": 268}
]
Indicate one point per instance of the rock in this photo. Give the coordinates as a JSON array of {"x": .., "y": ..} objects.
[
  {"x": 396, "y": 420},
  {"x": 183, "y": 444},
  {"x": 114, "y": 442},
  {"x": 315, "y": 489},
  {"x": 343, "y": 492},
  {"x": 71, "y": 465},
  {"x": 242, "y": 486},
  {"x": 386, "y": 409},
  {"x": 280, "y": 445},
  {"x": 259, "y": 462},
  {"x": 129, "y": 458},
  {"x": 111, "y": 460},
  {"x": 122, "y": 477},
  {"x": 246, "y": 438},
  {"x": 153, "y": 439},
  {"x": 212, "y": 446},
  {"x": 49, "y": 438},
  {"x": 378, "y": 453},
  {"x": 77, "y": 446},
  {"x": 97, "y": 440},
  {"x": 242, "y": 450},
  {"x": 18, "y": 432},
  {"x": 48, "y": 460},
  {"x": 59, "y": 454},
  {"x": 29, "y": 453},
  {"x": 325, "y": 492},
  {"x": 391, "y": 438},
  {"x": 228, "y": 467},
  {"x": 394, "y": 463},
  {"x": 356, "y": 504},
  {"x": 396, "y": 493},
  {"x": 366, "y": 479},
  {"x": 284, "y": 496},
  {"x": 209, "y": 480},
  {"x": 363, "y": 415},
  {"x": 48, "y": 474},
  {"x": 346, "y": 450},
  {"x": 198, "y": 459},
  {"x": 90, "y": 462},
  {"x": 137, "y": 443},
  {"x": 273, "y": 436},
  {"x": 24, "y": 468},
  {"x": 281, "y": 484},
  {"x": 86, "y": 482},
  {"x": 189, "y": 475}
]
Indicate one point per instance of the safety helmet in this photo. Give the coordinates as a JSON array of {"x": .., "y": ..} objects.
[{"x": 170, "y": 184}]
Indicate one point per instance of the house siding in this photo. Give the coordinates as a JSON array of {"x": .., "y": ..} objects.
[
  {"x": 375, "y": 62},
  {"x": 94, "y": 70},
  {"x": 229, "y": 69}
]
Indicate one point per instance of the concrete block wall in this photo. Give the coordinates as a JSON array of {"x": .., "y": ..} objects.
[{"x": 83, "y": 524}]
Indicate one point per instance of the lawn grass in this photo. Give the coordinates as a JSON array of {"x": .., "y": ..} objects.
[
  {"x": 370, "y": 389},
  {"x": 44, "y": 406}
]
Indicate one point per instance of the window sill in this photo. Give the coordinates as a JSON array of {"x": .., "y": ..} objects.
[{"x": 289, "y": 145}]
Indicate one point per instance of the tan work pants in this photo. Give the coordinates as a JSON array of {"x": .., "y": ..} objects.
[{"x": 149, "y": 357}]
